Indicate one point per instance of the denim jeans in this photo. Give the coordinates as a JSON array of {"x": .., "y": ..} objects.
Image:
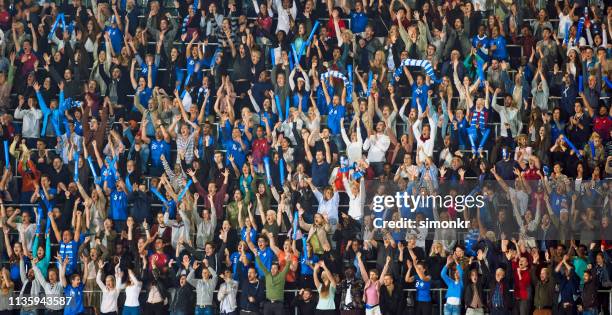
[
  {"x": 450, "y": 309},
  {"x": 207, "y": 310},
  {"x": 131, "y": 310}
]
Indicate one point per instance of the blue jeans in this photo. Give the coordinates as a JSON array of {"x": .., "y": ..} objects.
[
  {"x": 590, "y": 311},
  {"x": 452, "y": 309},
  {"x": 208, "y": 310},
  {"x": 131, "y": 310}
]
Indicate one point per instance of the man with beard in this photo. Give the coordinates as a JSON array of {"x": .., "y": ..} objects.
[{"x": 252, "y": 293}]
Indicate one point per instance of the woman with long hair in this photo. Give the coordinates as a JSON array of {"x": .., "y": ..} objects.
[
  {"x": 326, "y": 286},
  {"x": 132, "y": 287},
  {"x": 6, "y": 291},
  {"x": 422, "y": 283}
]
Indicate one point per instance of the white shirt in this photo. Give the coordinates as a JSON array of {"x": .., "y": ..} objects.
[
  {"x": 108, "y": 303},
  {"x": 227, "y": 296},
  {"x": 354, "y": 150},
  {"x": 356, "y": 203},
  {"x": 328, "y": 207},
  {"x": 284, "y": 22},
  {"x": 377, "y": 146},
  {"x": 132, "y": 292},
  {"x": 424, "y": 148}
]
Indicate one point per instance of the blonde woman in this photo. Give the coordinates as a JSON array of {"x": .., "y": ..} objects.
[
  {"x": 6, "y": 290},
  {"x": 110, "y": 289}
]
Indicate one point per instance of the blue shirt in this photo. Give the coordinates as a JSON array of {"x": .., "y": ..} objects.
[
  {"x": 238, "y": 268},
  {"x": 305, "y": 269},
  {"x": 159, "y": 147},
  {"x": 484, "y": 43},
  {"x": 334, "y": 113},
  {"x": 500, "y": 51},
  {"x": 76, "y": 303},
  {"x": 266, "y": 256},
  {"x": 419, "y": 92},
  {"x": 243, "y": 234},
  {"x": 235, "y": 149},
  {"x": 359, "y": 21},
  {"x": 116, "y": 38},
  {"x": 455, "y": 288},
  {"x": 144, "y": 96},
  {"x": 69, "y": 250},
  {"x": 423, "y": 293},
  {"x": 118, "y": 205},
  {"x": 320, "y": 177}
]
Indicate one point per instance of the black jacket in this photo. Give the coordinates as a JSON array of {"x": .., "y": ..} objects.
[
  {"x": 391, "y": 303},
  {"x": 468, "y": 291},
  {"x": 589, "y": 294},
  {"x": 182, "y": 299}
]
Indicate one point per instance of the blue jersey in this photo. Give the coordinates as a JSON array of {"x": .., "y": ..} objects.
[
  {"x": 266, "y": 256},
  {"x": 235, "y": 149},
  {"x": 159, "y": 147},
  {"x": 334, "y": 113},
  {"x": 243, "y": 234},
  {"x": 305, "y": 261},
  {"x": 423, "y": 289},
  {"x": 109, "y": 175},
  {"x": 70, "y": 250},
  {"x": 484, "y": 43},
  {"x": 419, "y": 92},
  {"x": 144, "y": 96},
  {"x": 76, "y": 300},
  {"x": 500, "y": 51},
  {"x": 238, "y": 268},
  {"x": 78, "y": 128},
  {"x": 359, "y": 21},
  {"x": 48, "y": 201},
  {"x": 191, "y": 65},
  {"x": 116, "y": 38},
  {"x": 118, "y": 205}
]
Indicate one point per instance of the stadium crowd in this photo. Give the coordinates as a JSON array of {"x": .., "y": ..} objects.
[{"x": 220, "y": 157}]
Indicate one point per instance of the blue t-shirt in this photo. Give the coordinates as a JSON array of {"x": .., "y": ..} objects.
[
  {"x": 419, "y": 92},
  {"x": 334, "y": 113},
  {"x": 320, "y": 173},
  {"x": 159, "y": 147},
  {"x": 116, "y": 38},
  {"x": 243, "y": 234},
  {"x": 108, "y": 174},
  {"x": 235, "y": 149},
  {"x": 266, "y": 256},
  {"x": 238, "y": 268},
  {"x": 423, "y": 289},
  {"x": 144, "y": 96},
  {"x": 118, "y": 205},
  {"x": 500, "y": 51},
  {"x": 359, "y": 21},
  {"x": 305, "y": 269},
  {"x": 76, "y": 302}
]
